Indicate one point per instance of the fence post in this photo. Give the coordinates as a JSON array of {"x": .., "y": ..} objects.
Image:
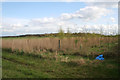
[{"x": 59, "y": 44}]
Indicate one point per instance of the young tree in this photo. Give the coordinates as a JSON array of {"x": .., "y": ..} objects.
[{"x": 61, "y": 33}]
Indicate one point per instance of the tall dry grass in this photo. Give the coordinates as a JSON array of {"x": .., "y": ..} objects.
[{"x": 35, "y": 46}]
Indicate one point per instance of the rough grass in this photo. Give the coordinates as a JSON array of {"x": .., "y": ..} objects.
[
  {"x": 42, "y": 58},
  {"x": 30, "y": 66}
]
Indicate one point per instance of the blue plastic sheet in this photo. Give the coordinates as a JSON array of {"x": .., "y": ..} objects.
[{"x": 100, "y": 57}]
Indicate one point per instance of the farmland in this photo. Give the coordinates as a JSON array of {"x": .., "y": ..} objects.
[{"x": 56, "y": 57}]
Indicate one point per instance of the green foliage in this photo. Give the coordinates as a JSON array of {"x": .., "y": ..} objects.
[
  {"x": 76, "y": 41},
  {"x": 68, "y": 34},
  {"x": 22, "y": 52},
  {"x": 61, "y": 33},
  {"x": 51, "y": 36},
  {"x": 80, "y": 46}
]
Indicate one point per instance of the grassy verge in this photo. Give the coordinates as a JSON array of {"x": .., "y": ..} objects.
[{"x": 15, "y": 65}]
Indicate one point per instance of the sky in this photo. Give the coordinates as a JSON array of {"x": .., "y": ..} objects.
[{"x": 19, "y": 18}]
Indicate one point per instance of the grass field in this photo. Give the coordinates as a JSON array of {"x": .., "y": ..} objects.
[
  {"x": 72, "y": 61},
  {"x": 26, "y": 66}
]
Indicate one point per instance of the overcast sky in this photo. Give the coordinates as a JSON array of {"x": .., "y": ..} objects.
[{"x": 20, "y": 18}]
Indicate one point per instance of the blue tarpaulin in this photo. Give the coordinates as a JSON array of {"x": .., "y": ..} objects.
[{"x": 100, "y": 57}]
